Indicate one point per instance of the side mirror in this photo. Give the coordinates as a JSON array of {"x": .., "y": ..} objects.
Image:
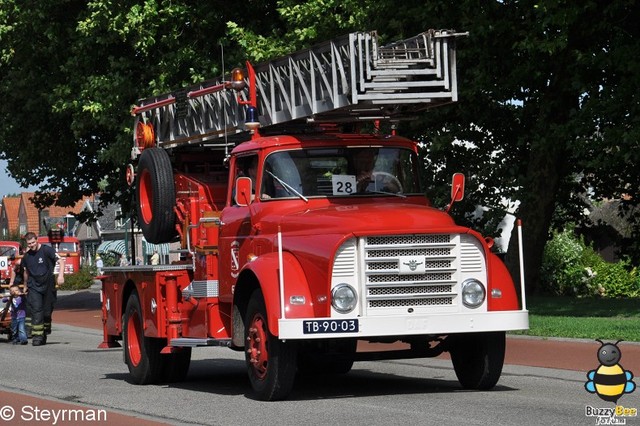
[
  {"x": 457, "y": 189},
  {"x": 243, "y": 191}
]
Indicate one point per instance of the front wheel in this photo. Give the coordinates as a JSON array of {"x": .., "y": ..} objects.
[
  {"x": 478, "y": 358},
  {"x": 141, "y": 353},
  {"x": 271, "y": 363}
]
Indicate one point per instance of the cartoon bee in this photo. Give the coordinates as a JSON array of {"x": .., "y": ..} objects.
[{"x": 610, "y": 381}]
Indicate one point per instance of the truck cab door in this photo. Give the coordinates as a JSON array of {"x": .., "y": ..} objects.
[{"x": 237, "y": 228}]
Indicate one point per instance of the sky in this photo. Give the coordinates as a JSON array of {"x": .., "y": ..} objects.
[{"x": 9, "y": 185}]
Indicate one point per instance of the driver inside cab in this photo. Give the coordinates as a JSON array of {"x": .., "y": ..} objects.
[{"x": 368, "y": 179}]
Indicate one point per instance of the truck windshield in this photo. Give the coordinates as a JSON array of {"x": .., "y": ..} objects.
[
  {"x": 341, "y": 172},
  {"x": 62, "y": 247},
  {"x": 8, "y": 251}
]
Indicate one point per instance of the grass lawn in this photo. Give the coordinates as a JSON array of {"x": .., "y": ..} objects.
[{"x": 605, "y": 319}]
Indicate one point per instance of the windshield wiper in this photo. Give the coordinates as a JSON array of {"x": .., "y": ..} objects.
[
  {"x": 289, "y": 188},
  {"x": 386, "y": 193}
]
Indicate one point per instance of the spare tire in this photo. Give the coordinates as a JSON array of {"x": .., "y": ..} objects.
[{"x": 155, "y": 189}]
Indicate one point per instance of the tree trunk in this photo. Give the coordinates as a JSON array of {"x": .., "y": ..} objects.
[
  {"x": 536, "y": 211},
  {"x": 544, "y": 175},
  {"x": 550, "y": 136}
]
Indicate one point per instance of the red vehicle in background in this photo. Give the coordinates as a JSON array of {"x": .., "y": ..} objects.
[
  {"x": 66, "y": 247},
  {"x": 9, "y": 250}
]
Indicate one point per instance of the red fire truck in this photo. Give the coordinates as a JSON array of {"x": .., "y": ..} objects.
[
  {"x": 9, "y": 250},
  {"x": 303, "y": 235},
  {"x": 66, "y": 246}
]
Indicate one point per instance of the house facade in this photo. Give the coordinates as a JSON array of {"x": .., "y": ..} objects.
[
  {"x": 112, "y": 233},
  {"x": 9, "y": 218}
]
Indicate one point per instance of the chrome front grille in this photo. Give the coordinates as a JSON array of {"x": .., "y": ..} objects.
[
  {"x": 430, "y": 279},
  {"x": 409, "y": 239},
  {"x": 443, "y": 301},
  {"x": 395, "y": 278},
  {"x": 405, "y": 274},
  {"x": 433, "y": 289}
]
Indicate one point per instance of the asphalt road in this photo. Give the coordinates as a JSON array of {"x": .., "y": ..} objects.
[{"x": 71, "y": 372}]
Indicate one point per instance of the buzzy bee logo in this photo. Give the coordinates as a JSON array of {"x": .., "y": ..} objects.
[{"x": 610, "y": 381}]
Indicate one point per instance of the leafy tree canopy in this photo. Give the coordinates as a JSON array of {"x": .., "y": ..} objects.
[{"x": 548, "y": 104}]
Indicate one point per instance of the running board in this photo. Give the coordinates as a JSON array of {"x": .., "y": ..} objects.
[{"x": 193, "y": 342}]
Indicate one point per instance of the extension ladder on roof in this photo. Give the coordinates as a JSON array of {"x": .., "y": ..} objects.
[{"x": 347, "y": 79}]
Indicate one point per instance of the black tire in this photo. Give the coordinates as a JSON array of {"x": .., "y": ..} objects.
[
  {"x": 334, "y": 356},
  {"x": 141, "y": 353},
  {"x": 155, "y": 190},
  {"x": 478, "y": 358},
  {"x": 176, "y": 365},
  {"x": 271, "y": 363}
]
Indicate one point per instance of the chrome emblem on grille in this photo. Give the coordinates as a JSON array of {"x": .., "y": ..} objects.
[{"x": 411, "y": 265}]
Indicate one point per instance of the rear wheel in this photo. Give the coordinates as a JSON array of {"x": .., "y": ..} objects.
[
  {"x": 271, "y": 363},
  {"x": 156, "y": 196},
  {"x": 478, "y": 358},
  {"x": 141, "y": 353}
]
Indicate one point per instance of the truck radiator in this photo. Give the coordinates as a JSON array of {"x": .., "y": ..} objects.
[{"x": 400, "y": 274}]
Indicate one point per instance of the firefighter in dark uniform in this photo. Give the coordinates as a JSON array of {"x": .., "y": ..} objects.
[{"x": 39, "y": 262}]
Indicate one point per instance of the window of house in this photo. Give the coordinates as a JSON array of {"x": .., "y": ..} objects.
[{"x": 119, "y": 219}]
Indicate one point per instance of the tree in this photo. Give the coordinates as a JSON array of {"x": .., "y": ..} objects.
[
  {"x": 548, "y": 106},
  {"x": 71, "y": 70}
]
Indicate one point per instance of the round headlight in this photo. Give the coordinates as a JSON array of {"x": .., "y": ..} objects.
[
  {"x": 473, "y": 293},
  {"x": 343, "y": 298}
]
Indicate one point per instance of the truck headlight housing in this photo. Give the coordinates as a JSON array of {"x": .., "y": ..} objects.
[
  {"x": 343, "y": 298},
  {"x": 473, "y": 293}
]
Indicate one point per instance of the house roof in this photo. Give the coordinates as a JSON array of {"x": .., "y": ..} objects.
[
  {"x": 56, "y": 211},
  {"x": 11, "y": 206},
  {"x": 31, "y": 211}
]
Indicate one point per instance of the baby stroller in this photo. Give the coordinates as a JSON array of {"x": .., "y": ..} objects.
[{"x": 5, "y": 317}]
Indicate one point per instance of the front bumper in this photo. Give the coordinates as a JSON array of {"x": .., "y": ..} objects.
[{"x": 433, "y": 324}]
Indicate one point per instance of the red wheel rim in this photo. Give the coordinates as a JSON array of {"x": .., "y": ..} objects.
[
  {"x": 257, "y": 346},
  {"x": 146, "y": 196},
  {"x": 133, "y": 339}
]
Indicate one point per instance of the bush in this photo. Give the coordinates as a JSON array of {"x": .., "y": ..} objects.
[
  {"x": 80, "y": 280},
  {"x": 617, "y": 280},
  {"x": 572, "y": 268},
  {"x": 563, "y": 271},
  {"x": 109, "y": 259}
]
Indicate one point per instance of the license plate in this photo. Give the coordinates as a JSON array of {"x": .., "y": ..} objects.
[{"x": 330, "y": 326}]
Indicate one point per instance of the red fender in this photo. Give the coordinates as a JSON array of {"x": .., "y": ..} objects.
[
  {"x": 266, "y": 269},
  {"x": 500, "y": 279}
]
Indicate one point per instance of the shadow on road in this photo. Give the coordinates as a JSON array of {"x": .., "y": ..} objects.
[
  {"x": 229, "y": 377},
  {"x": 78, "y": 300}
]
